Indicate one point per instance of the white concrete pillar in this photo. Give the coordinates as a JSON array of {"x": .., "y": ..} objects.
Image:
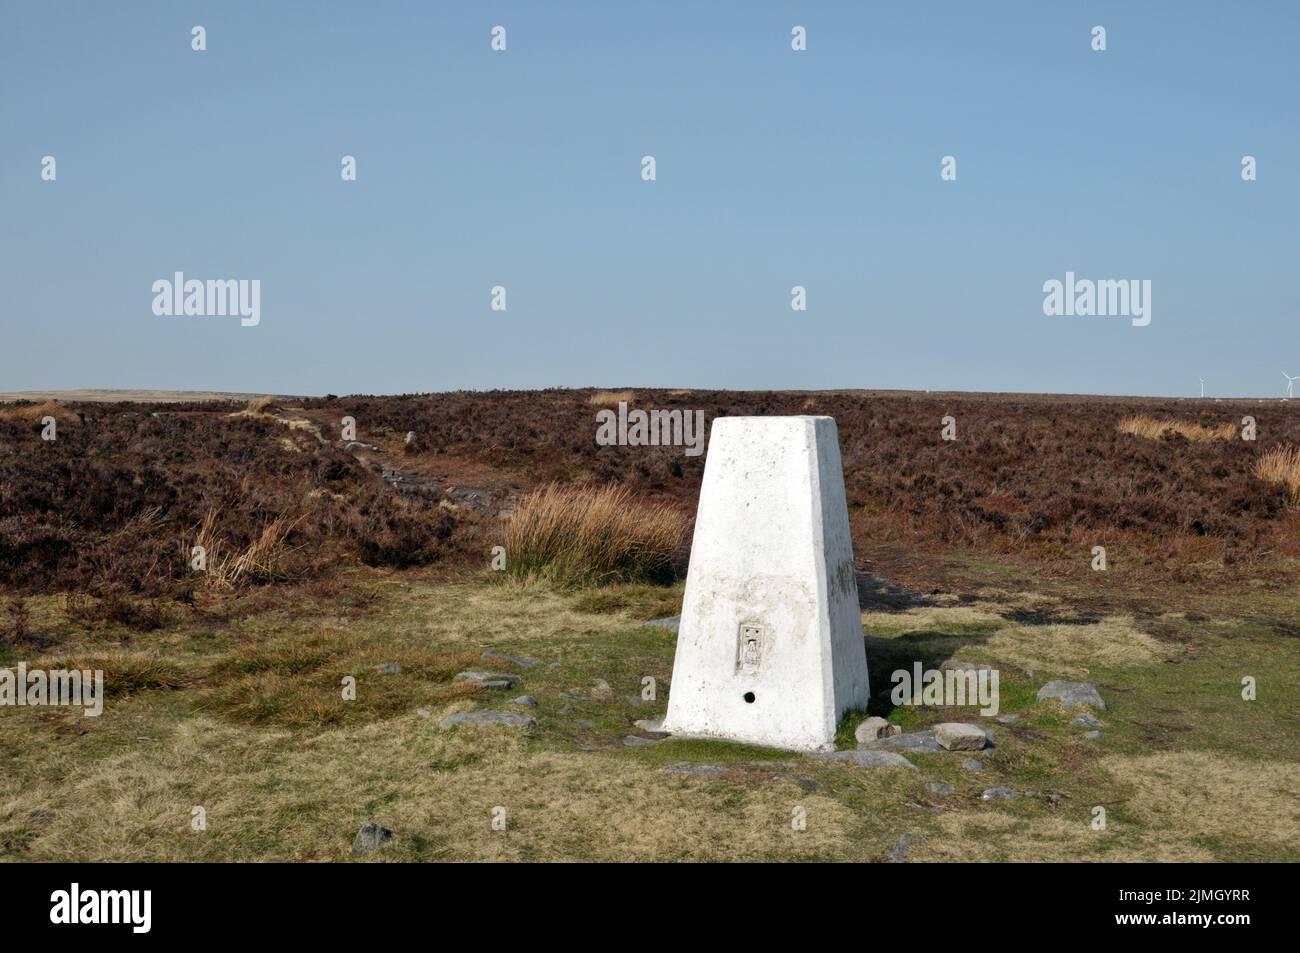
[{"x": 770, "y": 649}]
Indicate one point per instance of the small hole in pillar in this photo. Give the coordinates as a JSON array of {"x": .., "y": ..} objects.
[{"x": 749, "y": 697}]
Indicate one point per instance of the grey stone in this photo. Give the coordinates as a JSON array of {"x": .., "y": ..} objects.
[
  {"x": 387, "y": 668},
  {"x": 512, "y": 718},
  {"x": 908, "y": 741},
  {"x": 357, "y": 445},
  {"x": 527, "y": 700},
  {"x": 600, "y": 685},
  {"x": 808, "y": 784},
  {"x": 898, "y": 853},
  {"x": 870, "y": 729},
  {"x": 672, "y": 622},
  {"x": 522, "y": 661},
  {"x": 489, "y": 679},
  {"x": 1086, "y": 721},
  {"x": 869, "y": 759},
  {"x": 370, "y": 838},
  {"x": 650, "y": 724},
  {"x": 999, "y": 794},
  {"x": 686, "y": 767},
  {"x": 957, "y": 736},
  {"x": 939, "y": 788},
  {"x": 1072, "y": 694},
  {"x": 636, "y": 741},
  {"x": 1008, "y": 719},
  {"x": 972, "y": 764},
  {"x": 1093, "y": 735}
]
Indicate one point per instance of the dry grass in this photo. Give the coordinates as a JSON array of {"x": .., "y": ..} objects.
[
  {"x": 262, "y": 561},
  {"x": 34, "y": 412},
  {"x": 604, "y": 398},
  {"x": 1281, "y": 466},
  {"x": 579, "y": 536},
  {"x": 1153, "y": 428},
  {"x": 264, "y": 405}
]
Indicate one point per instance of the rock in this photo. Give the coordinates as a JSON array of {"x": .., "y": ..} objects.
[
  {"x": 1072, "y": 694},
  {"x": 972, "y": 764},
  {"x": 1008, "y": 719},
  {"x": 356, "y": 445},
  {"x": 870, "y": 729},
  {"x": 573, "y": 696},
  {"x": 999, "y": 794},
  {"x": 898, "y": 853},
  {"x": 522, "y": 661},
  {"x": 600, "y": 686},
  {"x": 512, "y": 718},
  {"x": 667, "y": 622},
  {"x": 650, "y": 724},
  {"x": 808, "y": 784},
  {"x": 370, "y": 838},
  {"x": 908, "y": 741},
  {"x": 584, "y": 723},
  {"x": 939, "y": 788},
  {"x": 636, "y": 741},
  {"x": 1093, "y": 735},
  {"x": 489, "y": 679},
  {"x": 410, "y": 437},
  {"x": 424, "y": 712},
  {"x": 387, "y": 668},
  {"x": 527, "y": 700},
  {"x": 869, "y": 759},
  {"x": 956, "y": 736},
  {"x": 686, "y": 767},
  {"x": 1086, "y": 721}
]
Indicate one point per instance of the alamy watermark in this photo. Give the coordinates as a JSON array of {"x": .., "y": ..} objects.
[
  {"x": 946, "y": 687},
  {"x": 653, "y": 428},
  {"x": 219, "y": 297},
  {"x": 1125, "y": 298},
  {"x": 39, "y": 687}
]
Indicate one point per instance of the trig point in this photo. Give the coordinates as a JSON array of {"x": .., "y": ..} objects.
[{"x": 770, "y": 649}]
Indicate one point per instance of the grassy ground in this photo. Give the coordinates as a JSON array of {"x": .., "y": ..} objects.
[{"x": 237, "y": 708}]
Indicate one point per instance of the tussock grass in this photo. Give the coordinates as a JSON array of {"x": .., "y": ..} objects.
[
  {"x": 604, "y": 398},
  {"x": 263, "y": 560},
  {"x": 584, "y": 536},
  {"x": 1153, "y": 428},
  {"x": 1281, "y": 467}
]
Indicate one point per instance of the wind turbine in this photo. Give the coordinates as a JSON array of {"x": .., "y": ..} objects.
[
  {"x": 1290, "y": 383},
  {"x": 1202, "y": 380}
]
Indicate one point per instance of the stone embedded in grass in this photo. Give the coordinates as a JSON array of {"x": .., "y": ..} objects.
[
  {"x": 1086, "y": 721},
  {"x": 972, "y": 764},
  {"x": 898, "y": 853},
  {"x": 522, "y": 661},
  {"x": 386, "y": 668},
  {"x": 686, "y": 767},
  {"x": 636, "y": 741},
  {"x": 869, "y": 759},
  {"x": 939, "y": 788},
  {"x": 999, "y": 794},
  {"x": 357, "y": 445},
  {"x": 513, "y": 719},
  {"x": 527, "y": 700},
  {"x": 655, "y": 725},
  {"x": 1093, "y": 735},
  {"x": 1009, "y": 719},
  {"x": 1072, "y": 694},
  {"x": 370, "y": 838},
  {"x": 871, "y": 729},
  {"x": 489, "y": 679},
  {"x": 908, "y": 741},
  {"x": 956, "y": 736}
]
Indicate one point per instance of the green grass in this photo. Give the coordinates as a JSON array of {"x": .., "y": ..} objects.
[{"x": 237, "y": 708}]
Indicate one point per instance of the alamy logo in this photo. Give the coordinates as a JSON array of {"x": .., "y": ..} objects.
[
  {"x": 956, "y": 687},
  {"x": 103, "y": 906},
  {"x": 57, "y": 687},
  {"x": 1125, "y": 298},
  {"x": 219, "y": 297},
  {"x": 655, "y": 428}
]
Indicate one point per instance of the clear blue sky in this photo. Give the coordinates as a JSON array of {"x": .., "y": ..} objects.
[{"x": 775, "y": 169}]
